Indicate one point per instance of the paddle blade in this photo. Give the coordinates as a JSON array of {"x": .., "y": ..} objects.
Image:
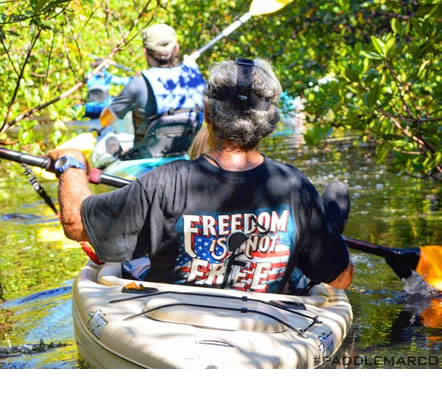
[
  {"x": 430, "y": 265},
  {"x": 261, "y": 7}
]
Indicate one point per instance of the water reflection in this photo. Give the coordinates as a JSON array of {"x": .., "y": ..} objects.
[{"x": 40, "y": 333}]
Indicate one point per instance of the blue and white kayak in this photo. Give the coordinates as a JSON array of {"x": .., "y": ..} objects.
[{"x": 129, "y": 169}]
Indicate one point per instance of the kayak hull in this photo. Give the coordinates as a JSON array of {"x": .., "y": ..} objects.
[
  {"x": 96, "y": 356},
  {"x": 127, "y": 169},
  {"x": 177, "y": 326}
]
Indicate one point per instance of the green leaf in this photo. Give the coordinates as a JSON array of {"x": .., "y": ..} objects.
[
  {"x": 372, "y": 96},
  {"x": 437, "y": 10},
  {"x": 382, "y": 151},
  {"x": 417, "y": 27},
  {"x": 423, "y": 67},
  {"x": 399, "y": 143},
  {"x": 25, "y": 137},
  {"x": 39, "y": 5},
  {"x": 386, "y": 100},
  {"x": 425, "y": 10},
  {"x": 313, "y": 136},
  {"x": 56, "y": 136},
  {"x": 378, "y": 45},
  {"x": 371, "y": 75},
  {"x": 371, "y": 55},
  {"x": 389, "y": 46},
  {"x": 396, "y": 26},
  {"x": 351, "y": 75},
  {"x": 13, "y": 33}
]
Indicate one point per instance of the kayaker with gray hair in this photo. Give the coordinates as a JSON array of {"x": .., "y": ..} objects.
[
  {"x": 169, "y": 92},
  {"x": 232, "y": 218},
  {"x": 241, "y": 120}
]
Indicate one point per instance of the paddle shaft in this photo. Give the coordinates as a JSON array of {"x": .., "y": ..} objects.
[
  {"x": 367, "y": 247},
  {"x": 122, "y": 67},
  {"x": 226, "y": 32},
  {"x": 113, "y": 63},
  {"x": 257, "y": 7},
  {"x": 95, "y": 176},
  {"x": 402, "y": 261}
]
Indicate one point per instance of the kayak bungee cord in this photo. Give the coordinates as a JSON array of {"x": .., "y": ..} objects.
[
  {"x": 315, "y": 319},
  {"x": 243, "y": 310}
]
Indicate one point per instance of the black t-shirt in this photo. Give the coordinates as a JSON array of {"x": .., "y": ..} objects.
[{"x": 196, "y": 221}]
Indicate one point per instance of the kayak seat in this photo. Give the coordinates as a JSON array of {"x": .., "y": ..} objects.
[
  {"x": 97, "y": 94},
  {"x": 169, "y": 134}
]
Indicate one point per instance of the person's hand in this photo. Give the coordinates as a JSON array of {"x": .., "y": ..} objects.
[
  {"x": 57, "y": 153},
  {"x": 344, "y": 279}
]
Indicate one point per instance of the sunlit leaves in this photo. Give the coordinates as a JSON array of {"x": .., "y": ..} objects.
[
  {"x": 379, "y": 45},
  {"x": 390, "y": 84},
  {"x": 71, "y": 30}
]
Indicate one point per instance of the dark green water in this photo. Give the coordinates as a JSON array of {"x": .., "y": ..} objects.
[{"x": 391, "y": 328}]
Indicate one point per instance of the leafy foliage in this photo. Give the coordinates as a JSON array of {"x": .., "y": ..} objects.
[
  {"x": 48, "y": 47},
  {"x": 381, "y": 58},
  {"x": 387, "y": 84}
]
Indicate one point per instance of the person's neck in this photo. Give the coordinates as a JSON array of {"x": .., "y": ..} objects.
[
  {"x": 235, "y": 160},
  {"x": 153, "y": 63}
]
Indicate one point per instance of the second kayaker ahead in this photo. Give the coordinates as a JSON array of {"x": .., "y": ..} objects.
[
  {"x": 166, "y": 100},
  {"x": 232, "y": 218}
]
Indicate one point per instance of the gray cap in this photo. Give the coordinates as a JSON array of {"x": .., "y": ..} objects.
[{"x": 160, "y": 39}]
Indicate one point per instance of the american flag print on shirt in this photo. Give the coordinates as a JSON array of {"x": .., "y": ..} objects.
[{"x": 256, "y": 244}]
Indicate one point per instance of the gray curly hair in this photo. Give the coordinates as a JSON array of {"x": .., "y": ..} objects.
[{"x": 242, "y": 127}]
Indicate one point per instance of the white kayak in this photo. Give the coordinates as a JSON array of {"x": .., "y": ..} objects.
[{"x": 178, "y": 326}]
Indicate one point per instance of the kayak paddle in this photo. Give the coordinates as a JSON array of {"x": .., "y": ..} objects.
[
  {"x": 258, "y": 7},
  {"x": 425, "y": 260},
  {"x": 112, "y": 63},
  {"x": 39, "y": 189},
  {"x": 95, "y": 175}
]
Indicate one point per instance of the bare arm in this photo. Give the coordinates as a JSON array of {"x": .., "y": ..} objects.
[{"x": 72, "y": 190}]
